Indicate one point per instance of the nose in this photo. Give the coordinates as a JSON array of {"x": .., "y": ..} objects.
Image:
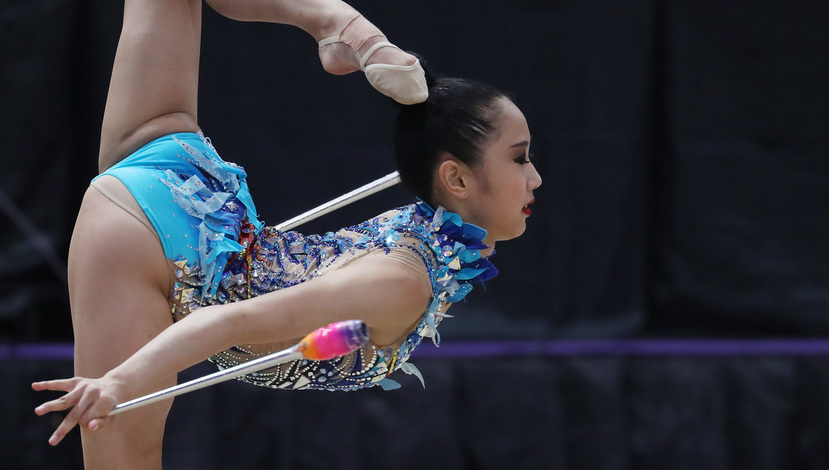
[{"x": 534, "y": 180}]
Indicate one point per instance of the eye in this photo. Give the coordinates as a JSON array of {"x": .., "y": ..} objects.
[{"x": 524, "y": 159}]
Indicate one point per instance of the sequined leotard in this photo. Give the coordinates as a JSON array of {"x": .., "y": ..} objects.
[{"x": 237, "y": 258}]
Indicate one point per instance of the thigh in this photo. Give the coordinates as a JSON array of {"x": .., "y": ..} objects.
[
  {"x": 119, "y": 282},
  {"x": 154, "y": 85}
]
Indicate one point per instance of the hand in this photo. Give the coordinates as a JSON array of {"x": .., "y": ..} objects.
[{"x": 90, "y": 399}]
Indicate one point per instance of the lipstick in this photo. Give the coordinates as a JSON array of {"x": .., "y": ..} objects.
[{"x": 526, "y": 209}]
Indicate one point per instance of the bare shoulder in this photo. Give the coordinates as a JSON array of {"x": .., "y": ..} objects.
[
  {"x": 401, "y": 291},
  {"x": 405, "y": 280}
]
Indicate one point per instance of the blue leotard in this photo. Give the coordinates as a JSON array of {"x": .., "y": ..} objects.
[{"x": 197, "y": 203}]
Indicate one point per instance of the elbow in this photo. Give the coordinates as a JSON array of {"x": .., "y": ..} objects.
[{"x": 226, "y": 325}]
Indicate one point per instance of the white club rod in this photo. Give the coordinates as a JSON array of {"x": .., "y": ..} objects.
[
  {"x": 324, "y": 343},
  {"x": 375, "y": 186},
  {"x": 265, "y": 362}
]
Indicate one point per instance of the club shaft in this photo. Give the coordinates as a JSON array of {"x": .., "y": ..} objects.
[
  {"x": 271, "y": 360},
  {"x": 375, "y": 186}
]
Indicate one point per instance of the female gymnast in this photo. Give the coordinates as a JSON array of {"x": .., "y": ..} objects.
[{"x": 169, "y": 227}]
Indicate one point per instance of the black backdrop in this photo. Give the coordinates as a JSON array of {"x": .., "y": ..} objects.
[{"x": 683, "y": 147}]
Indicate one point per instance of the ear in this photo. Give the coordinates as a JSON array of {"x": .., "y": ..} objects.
[{"x": 453, "y": 177}]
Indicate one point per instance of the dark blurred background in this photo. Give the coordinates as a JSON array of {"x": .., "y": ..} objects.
[{"x": 667, "y": 308}]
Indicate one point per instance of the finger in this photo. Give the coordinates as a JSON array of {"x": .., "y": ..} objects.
[
  {"x": 73, "y": 388},
  {"x": 95, "y": 415},
  {"x": 72, "y": 418},
  {"x": 96, "y": 424},
  {"x": 63, "y": 403},
  {"x": 69, "y": 422},
  {"x": 60, "y": 385}
]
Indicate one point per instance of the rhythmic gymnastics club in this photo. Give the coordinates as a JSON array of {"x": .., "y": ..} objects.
[
  {"x": 375, "y": 186},
  {"x": 336, "y": 339}
]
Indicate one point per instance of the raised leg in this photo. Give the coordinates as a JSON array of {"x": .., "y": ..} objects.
[
  {"x": 321, "y": 19},
  {"x": 348, "y": 42},
  {"x": 154, "y": 86}
]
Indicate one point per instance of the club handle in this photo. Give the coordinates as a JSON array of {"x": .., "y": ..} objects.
[{"x": 265, "y": 362}]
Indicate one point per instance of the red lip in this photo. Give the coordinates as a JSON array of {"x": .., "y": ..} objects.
[{"x": 526, "y": 209}]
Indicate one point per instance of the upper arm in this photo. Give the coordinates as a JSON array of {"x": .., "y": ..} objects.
[{"x": 388, "y": 295}]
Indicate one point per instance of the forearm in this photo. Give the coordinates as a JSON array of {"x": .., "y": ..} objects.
[
  {"x": 185, "y": 343},
  {"x": 272, "y": 317}
]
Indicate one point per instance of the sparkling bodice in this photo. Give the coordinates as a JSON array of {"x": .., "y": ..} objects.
[{"x": 434, "y": 241}]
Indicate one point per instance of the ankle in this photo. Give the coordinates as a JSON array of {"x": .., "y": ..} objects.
[{"x": 360, "y": 34}]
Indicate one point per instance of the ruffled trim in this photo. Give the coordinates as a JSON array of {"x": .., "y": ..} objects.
[
  {"x": 223, "y": 208},
  {"x": 457, "y": 247}
]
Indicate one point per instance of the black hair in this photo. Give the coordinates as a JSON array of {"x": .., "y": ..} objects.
[{"x": 458, "y": 118}]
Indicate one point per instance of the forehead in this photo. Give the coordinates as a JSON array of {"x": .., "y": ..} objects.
[{"x": 511, "y": 126}]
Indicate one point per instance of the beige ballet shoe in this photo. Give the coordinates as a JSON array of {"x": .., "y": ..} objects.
[{"x": 405, "y": 84}]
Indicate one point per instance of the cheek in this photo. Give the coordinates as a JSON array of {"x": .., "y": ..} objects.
[
  {"x": 503, "y": 186},
  {"x": 517, "y": 185}
]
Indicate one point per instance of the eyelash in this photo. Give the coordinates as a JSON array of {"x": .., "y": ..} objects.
[{"x": 524, "y": 159}]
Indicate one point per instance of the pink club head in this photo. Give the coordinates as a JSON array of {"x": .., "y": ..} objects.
[{"x": 336, "y": 339}]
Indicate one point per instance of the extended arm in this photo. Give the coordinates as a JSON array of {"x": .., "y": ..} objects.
[{"x": 385, "y": 294}]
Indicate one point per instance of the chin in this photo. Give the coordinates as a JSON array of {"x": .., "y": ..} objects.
[
  {"x": 515, "y": 234},
  {"x": 521, "y": 232}
]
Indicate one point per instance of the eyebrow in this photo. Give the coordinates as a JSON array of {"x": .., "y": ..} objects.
[{"x": 523, "y": 143}]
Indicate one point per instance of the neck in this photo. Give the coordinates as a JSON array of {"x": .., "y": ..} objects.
[{"x": 490, "y": 248}]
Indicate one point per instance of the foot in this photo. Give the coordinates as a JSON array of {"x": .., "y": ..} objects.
[{"x": 362, "y": 46}]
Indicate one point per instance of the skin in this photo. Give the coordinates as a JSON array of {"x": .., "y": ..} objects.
[
  {"x": 496, "y": 193},
  {"x": 126, "y": 344},
  {"x": 119, "y": 279}
]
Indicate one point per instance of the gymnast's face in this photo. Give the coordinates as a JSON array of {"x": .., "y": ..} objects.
[{"x": 501, "y": 185}]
